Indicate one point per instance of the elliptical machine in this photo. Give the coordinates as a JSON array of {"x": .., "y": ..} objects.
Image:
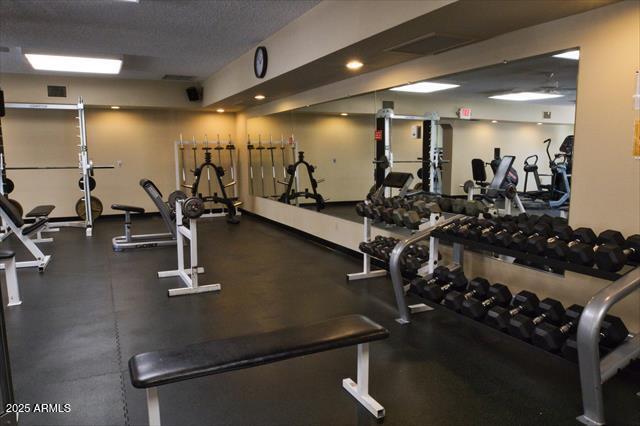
[
  {"x": 290, "y": 194},
  {"x": 558, "y": 192},
  {"x": 231, "y": 204}
]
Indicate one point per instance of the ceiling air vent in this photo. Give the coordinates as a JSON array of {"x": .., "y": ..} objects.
[
  {"x": 177, "y": 77},
  {"x": 431, "y": 44}
]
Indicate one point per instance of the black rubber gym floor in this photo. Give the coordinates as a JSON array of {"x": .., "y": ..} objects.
[{"x": 92, "y": 309}]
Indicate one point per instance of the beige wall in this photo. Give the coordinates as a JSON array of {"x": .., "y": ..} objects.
[
  {"x": 141, "y": 139},
  {"x": 606, "y": 181},
  {"x": 104, "y": 91}
]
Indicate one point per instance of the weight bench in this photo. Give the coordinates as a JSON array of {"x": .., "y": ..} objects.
[
  {"x": 131, "y": 241},
  {"x": 152, "y": 369},
  {"x": 16, "y": 224},
  {"x": 37, "y": 213}
]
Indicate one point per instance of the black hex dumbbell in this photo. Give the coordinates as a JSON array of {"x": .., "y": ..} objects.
[
  {"x": 551, "y": 337},
  {"x": 613, "y": 332},
  {"x": 612, "y": 257},
  {"x": 538, "y": 243},
  {"x": 549, "y": 311},
  {"x": 438, "y": 277},
  {"x": 520, "y": 239},
  {"x": 559, "y": 249},
  {"x": 525, "y": 303},
  {"x": 477, "y": 287},
  {"x": 585, "y": 254},
  {"x": 455, "y": 280},
  {"x": 499, "y": 295}
]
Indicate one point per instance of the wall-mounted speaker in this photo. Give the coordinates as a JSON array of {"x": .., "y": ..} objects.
[{"x": 193, "y": 93}]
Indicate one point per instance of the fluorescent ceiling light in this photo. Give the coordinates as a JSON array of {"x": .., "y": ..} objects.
[
  {"x": 494, "y": 121},
  {"x": 571, "y": 54},
  {"x": 539, "y": 124},
  {"x": 220, "y": 110},
  {"x": 424, "y": 87},
  {"x": 115, "y": 107},
  {"x": 526, "y": 96},
  {"x": 354, "y": 65},
  {"x": 74, "y": 64},
  {"x": 259, "y": 97}
]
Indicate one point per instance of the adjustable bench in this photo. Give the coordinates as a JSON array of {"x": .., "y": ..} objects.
[
  {"x": 152, "y": 369},
  {"x": 131, "y": 241},
  {"x": 12, "y": 219},
  {"x": 38, "y": 213}
]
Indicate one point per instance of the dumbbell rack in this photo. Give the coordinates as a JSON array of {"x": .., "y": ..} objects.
[{"x": 594, "y": 371}]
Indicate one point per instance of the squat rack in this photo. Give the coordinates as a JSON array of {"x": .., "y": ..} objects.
[
  {"x": 430, "y": 153},
  {"x": 85, "y": 165}
]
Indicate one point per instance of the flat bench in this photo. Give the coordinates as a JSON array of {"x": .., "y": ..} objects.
[
  {"x": 40, "y": 211},
  {"x": 152, "y": 369}
]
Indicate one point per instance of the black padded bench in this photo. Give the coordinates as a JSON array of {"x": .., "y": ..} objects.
[
  {"x": 152, "y": 369},
  {"x": 40, "y": 211}
]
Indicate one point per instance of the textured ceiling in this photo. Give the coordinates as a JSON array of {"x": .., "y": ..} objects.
[{"x": 156, "y": 37}]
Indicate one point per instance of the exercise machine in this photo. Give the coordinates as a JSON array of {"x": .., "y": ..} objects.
[
  {"x": 131, "y": 241},
  {"x": 501, "y": 186},
  {"x": 290, "y": 194},
  {"x": 558, "y": 192}
]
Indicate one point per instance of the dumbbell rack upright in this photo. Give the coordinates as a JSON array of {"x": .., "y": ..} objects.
[{"x": 594, "y": 370}]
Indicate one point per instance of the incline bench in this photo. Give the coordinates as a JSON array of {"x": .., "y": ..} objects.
[
  {"x": 16, "y": 225},
  {"x": 152, "y": 369}
]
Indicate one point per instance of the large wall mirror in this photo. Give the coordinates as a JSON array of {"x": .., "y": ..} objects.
[{"x": 523, "y": 108}]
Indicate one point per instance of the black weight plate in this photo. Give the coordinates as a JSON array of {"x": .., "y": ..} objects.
[
  {"x": 193, "y": 207},
  {"x": 17, "y": 206},
  {"x": 92, "y": 183},
  {"x": 8, "y": 186},
  {"x": 175, "y": 196}
]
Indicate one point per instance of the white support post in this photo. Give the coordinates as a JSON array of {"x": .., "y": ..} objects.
[
  {"x": 11, "y": 279},
  {"x": 360, "y": 390},
  {"x": 366, "y": 259},
  {"x": 188, "y": 276},
  {"x": 153, "y": 406}
]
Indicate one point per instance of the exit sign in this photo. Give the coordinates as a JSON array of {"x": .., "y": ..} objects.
[{"x": 464, "y": 113}]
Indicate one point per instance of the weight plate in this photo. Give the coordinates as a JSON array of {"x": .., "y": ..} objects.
[
  {"x": 96, "y": 208},
  {"x": 17, "y": 206},
  {"x": 193, "y": 207},
  {"x": 220, "y": 171},
  {"x": 468, "y": 186},
  {"x": 8, "y": 186},
  {"x": 175, "y": 196},
  {"x": 92, "y": 183},
  {"x": 419, "y": 173},
  {"x": 382, "y": 162}
]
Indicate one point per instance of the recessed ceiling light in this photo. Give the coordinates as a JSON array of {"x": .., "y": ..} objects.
[
  {"x": 259, "y": 97},
  {"x": 539, "y": 124},
  {"x": 344, "y": 114},
  {"x": 571, "y": 54},
  {"x": 115, "y": 107},
  {"x": 424, "y": 87},
  {"x": 354, "y": 65},
  {"x": 220, "y": 110},
  {"x": 74, "y": 64},
  {"x": 526, "y": 96},
  {"x": 494, "y": 121}
]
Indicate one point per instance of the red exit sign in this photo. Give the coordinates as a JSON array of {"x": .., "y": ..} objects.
[{"x": 464, "y": 113}]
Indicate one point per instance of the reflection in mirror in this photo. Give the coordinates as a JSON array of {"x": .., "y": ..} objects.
[{"x": 452, "y": 135}]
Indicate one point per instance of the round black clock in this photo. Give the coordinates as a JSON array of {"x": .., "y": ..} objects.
[{"x": 260, "y": 60}]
